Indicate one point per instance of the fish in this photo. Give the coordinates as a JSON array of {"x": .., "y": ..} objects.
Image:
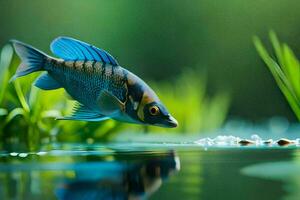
[{"x": 101, "y": 88}]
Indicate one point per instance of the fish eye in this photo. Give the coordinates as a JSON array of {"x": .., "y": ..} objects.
[{"x": 154, "y": 110}]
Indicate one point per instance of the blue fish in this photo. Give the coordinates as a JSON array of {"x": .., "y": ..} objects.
[{"x": 91, "y": 76}]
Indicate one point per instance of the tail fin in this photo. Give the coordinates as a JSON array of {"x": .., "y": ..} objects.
[{"x": 32, "y": 59}]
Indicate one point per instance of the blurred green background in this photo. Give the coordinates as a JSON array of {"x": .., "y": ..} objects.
[{"x": 147, "y": 36}]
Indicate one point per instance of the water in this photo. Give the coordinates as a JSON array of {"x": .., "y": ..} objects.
[{"x": 135, "y": 170}]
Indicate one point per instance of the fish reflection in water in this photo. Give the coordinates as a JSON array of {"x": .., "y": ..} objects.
[{"x": 120, "y": 180}]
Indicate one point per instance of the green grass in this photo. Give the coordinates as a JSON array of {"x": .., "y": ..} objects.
[{"x": 284, "y": 68}]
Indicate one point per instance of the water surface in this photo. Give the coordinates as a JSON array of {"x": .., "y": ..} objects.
[{"x": 151, "y": 170}]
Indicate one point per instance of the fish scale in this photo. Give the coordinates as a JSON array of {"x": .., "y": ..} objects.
[{"x": 77, "y": 79}]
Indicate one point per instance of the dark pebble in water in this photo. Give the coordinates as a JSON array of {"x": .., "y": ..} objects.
[
  {"x": 268, "y": 141},
  {"x": 283, "y": 142},
  {"x": 246, "y": 142}
]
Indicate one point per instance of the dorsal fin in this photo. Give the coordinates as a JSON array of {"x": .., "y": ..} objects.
[{"x": 72, "y": 49}]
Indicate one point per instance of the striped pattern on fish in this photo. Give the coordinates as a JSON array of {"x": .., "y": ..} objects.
[{"x": 82, "y": 79}]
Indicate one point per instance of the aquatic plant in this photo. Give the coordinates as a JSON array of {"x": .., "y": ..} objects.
[
  {"x": 285, "y": 69},
  {"x": 24, "y": 107}
]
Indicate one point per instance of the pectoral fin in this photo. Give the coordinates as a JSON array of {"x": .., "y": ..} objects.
[
  {"x": 46, "y": 82},
  {"x": 82, "y": 113},
  {"x": 109, "y": 104}
]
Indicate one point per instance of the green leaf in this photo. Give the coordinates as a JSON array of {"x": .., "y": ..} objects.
[
  {"x": 14, "y": 113},
  {"x": 285, "y": 72},
  {"x": 21, "y": 96},
  {"x": 292, "y": 68},
  {"x": 277, "y": 47},
  {"x": 5, "y": 60}
]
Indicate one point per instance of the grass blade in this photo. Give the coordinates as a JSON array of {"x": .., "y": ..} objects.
[
  {"x": 280, "y": 71},
  {"x": 5, "y": 60},
  {"x": 14, "y": 113}
]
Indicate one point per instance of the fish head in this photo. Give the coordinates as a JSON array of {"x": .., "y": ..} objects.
[
  {"x": 155, "y": 113},
  {"x": 148, "y": 109}
]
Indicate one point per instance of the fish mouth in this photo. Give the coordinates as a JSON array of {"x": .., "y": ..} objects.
[{"x": 171, "y": 122}]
